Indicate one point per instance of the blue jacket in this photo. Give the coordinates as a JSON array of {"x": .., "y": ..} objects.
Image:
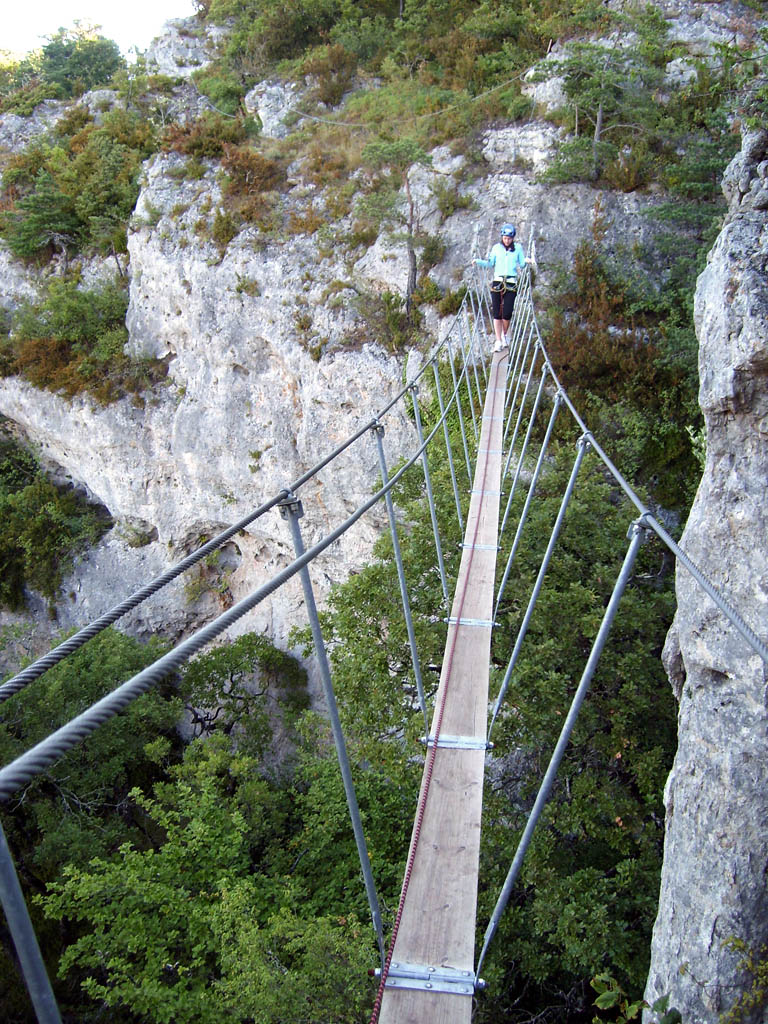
[{"x": 504, "y": 262}]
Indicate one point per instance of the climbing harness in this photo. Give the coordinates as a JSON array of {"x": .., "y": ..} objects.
[{"x": 504, "y": 284}]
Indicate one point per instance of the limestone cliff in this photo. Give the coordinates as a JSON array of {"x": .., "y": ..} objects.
[{"x": 716, "y": 851}]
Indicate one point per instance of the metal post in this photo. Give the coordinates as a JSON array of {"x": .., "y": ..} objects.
[
  {"x": 512, "y": 404},
  {"x": 523, "y": 450},
  {"x": 477, "y": 318},
  {"x": 528, "y": 378},
  {"x": 458, "y": 409},
  {"x": 528, "y": 499},
  {"x": 448, "y": 448},
  {"x": 431, "y": 500},
  {"x": 636, "y": 533},
  {"x": 581, "y": 451},
  {"x": 466, "y": 375},
  {"x": 378, "y": 430},
  {"x": 291, "y": 510},
  {"x": 25, "y": 940},
  {"x": 470, "y": 348}
]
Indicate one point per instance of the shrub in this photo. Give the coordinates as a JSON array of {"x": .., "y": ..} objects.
[
  {"x": 79, "y": 193},
  {"x": 332, "y": 68},
  {"x": 42, "y": 527},
  {"x": 204, "y": 138},
  {"x": 76, "y": 63},
  {"x": 73, "y": 340}
]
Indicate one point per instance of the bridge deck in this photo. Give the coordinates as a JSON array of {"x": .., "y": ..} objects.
[{"x": 437, "y": 927}]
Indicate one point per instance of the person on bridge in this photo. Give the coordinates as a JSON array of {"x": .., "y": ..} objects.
[{"x": 506, "y": 258}]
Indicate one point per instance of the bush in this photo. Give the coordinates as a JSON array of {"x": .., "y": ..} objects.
[
  {"x": 42, "y": 527},
  {"x": 73, "y": 340},
  {"x": 76, "y": 63},
  {"x": 78, "y": 193},
  {"x": 204, "y": 138}
]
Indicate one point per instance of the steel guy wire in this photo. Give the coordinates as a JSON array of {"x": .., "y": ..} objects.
[
  {"x": 378, "y": 432},
  {"x": 448, "y": 447},
  {"x": 524, "y": 449},
  {"x": 520, "y": 376},
  {"x": 431, "y": 501},
  {"x": 581, "y": 450},
  {"x": 291, "y": 510},
  {"x": 528, "y": 379},
  {"x": 529, "y": 497},
  {"x": 637, "y": 532},
  {"x": 459, "y": 411},
  {"x": 25, "y": 940}
]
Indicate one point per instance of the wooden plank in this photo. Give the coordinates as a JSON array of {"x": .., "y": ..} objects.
[{"x": 437, "y": 927}]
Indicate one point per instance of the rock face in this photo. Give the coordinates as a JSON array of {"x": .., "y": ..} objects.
[{"x": 716, "y": 851}]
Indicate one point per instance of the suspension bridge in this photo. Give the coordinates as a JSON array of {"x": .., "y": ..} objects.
[{"x": 429, "y": 968}]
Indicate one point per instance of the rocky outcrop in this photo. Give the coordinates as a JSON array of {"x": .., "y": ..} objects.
[
  {"x": 185, "y": 46},
  {"x": 713, "y": 885}
]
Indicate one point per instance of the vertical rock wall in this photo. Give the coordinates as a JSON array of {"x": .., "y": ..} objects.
[{"x": 716, "y": 851}]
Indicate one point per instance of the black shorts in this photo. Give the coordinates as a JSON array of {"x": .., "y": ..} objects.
[{"x": 502, "y": 304}]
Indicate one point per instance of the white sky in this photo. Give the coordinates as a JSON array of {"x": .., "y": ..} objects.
[{"x": 24, "y": 24}]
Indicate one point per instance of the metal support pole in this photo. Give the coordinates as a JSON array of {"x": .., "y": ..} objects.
[
  {"x": 581, "y": 451},
  {"x": 25, "y": 940},
  {"x": 522, "y": 402},
  {"x": 528, "y": 499},
  {"x": 378, "y": 431},
  {"x": 469, "y": 380},
  {"x": 448, "y": 448},
  {"x": 637, "y": 534},
  {"x": 459, "y": 410},
  {"x": 523, "y": 450},
  {"x": 291, "y": 510},
  {"x": 477, "y": 318},
  {"x": 471, "y": 350},
  {"x": 516, "y": 348},
  {"x": 431, "y": 500}
]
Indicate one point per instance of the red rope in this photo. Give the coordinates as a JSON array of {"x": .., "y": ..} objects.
[{"x": 432, "y": 752}]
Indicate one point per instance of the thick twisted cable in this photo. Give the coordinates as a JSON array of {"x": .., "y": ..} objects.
[
  {"x": 49, "y": 750},
  {"x": 35, "y": 670}
]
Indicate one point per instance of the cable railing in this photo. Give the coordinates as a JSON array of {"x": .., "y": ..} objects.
[
  {"x": 532, "y": 393},
  {"x": 463, "y": 350}
]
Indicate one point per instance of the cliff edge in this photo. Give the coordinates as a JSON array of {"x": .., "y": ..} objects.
[{"x": 713, "y": 887}]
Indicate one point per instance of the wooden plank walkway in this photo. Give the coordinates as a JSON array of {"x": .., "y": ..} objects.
[{"x": 437, "y": 927}]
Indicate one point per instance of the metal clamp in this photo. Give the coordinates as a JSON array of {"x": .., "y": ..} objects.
[
  {"x": 290, "y": 505},
  {"x": 459, "y": 742},
  {"x": 432, "y": 979}
]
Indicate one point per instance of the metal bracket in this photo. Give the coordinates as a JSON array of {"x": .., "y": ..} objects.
[
  {"x": 291, "y": 505},
  {"x": 452, "y": 621},
  {"x": 638, "y": 526},
  {"x": 459, "y": 742},
  {"x": 480, "y": 547},
  {"x": 431, "y": 979},
  {"x": 378, "y": 428}
]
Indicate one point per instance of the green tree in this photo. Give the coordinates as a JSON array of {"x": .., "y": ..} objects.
[
  {"x": 77, "y": 60},
  {"x": 44, "y": 220},
  {"x": 396, "y": 159},
  {"x": 229, "y": 687},
  {"x": 612, "y": 86}
]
